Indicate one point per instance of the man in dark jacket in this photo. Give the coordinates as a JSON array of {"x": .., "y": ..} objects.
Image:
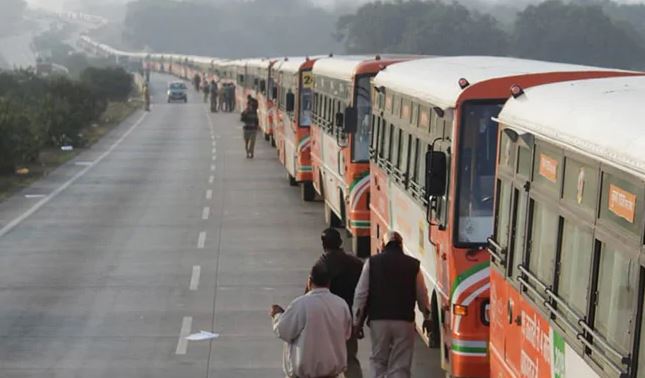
[
  {"x": 344, "y": 270},
  {"x": 389, "y": 286},
  {"x": 250, "y": 119}
]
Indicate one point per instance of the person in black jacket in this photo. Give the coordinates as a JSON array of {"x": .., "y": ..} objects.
[
  {"x": 390, "y": 284},
  {"x": 250, "y": 119},
  {"x": 344, "y": 270}
]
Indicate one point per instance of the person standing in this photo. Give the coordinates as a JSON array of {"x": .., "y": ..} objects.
[
  {"x": 221, "y": 94},
  {"x": 214, "y": 92},
  {"x": 314, "y": 328},
  {"x": 250, "y": 119},
  {"x": 231, "y": 97},
  {"x": 206, "y": 90},
  {"x": 344, "y": 270},
  {"x": 390, "y": 284}
]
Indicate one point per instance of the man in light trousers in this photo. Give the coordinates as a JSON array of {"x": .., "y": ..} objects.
[
  {"x": 315, "y": 328},
  {"x": 390, "y": 284}
]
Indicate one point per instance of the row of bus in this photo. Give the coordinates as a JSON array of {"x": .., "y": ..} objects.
[{"x": 518, "y": 184}]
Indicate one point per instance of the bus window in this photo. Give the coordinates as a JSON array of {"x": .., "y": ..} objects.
[
  {"x": 403, "y": 155},
  {"x": 422, "y": 149},
  {"x": 476, "y": 172},
  {"x": 617, "y": 289},
  {"x": 412, "y": 166},
  {"x": 575, "y": 264},
  {"x": 516, "y": 249},
  {"x": 544, "y": 238},
  {"x": 362, "y": 136},
  {"x": 524, "y": 162},
  {"x": 504, "y": 213},
  {"x": 305, "y": 107}
]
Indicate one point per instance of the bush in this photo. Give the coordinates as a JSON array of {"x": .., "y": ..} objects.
[{"x": 110, "y": 84}]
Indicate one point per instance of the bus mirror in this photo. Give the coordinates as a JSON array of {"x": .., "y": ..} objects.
[
  {"x": 349, "y": 126},
  {"x": 274, "y": 93},
  {"x": 339, "y": 120},
  {"x": 435, "y": 173},
  {"x": 291, "y": 102}
]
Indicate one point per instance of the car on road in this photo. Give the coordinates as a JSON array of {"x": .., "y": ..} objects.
[{"x": 177, "y": 91}]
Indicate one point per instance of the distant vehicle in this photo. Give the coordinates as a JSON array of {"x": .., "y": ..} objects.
[{"x": 177, "y": 92}]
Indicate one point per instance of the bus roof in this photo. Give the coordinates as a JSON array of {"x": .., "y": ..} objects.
[
  {"x": 599, "y": 118},
  {"x": 292, "y": 64},
  {"x": 436, "y": 80},
  {"x": 344, "y": 67}
]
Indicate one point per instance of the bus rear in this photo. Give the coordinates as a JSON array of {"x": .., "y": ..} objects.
[
  {"x": 433, "y": 168},
  {"x": 568, "y": 246}
]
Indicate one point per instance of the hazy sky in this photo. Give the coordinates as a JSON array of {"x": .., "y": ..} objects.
[{"x": 60, "y": 4}]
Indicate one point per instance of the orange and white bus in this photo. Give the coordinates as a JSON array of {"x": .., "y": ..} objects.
[
  {"x": 294, "y": 105},
  {"x": 432, "y": 179},
  {"x": 261, "y": 83},
  {"x": 568, "y": 271},
  {"x": 340, "y": 140}
]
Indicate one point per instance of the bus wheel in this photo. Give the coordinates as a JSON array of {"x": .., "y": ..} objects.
[
  {"x": 331, "y": 220},
  {"x": 266, "y": 137},
  {"x": 307, "y": 191},
  {"x": 292, "y": 180},
  {"x": 361, "y": 246}
]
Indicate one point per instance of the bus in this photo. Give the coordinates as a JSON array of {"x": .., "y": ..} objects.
[
  {"x": 568, "y": 251},
  {"x": 294, "y": 105},
  {"x": 340, "y": 137},
  {"x": 261, "y": 82},
  {"x": 432, "y": 175}
]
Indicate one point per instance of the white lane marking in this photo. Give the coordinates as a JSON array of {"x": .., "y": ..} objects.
[
  {"x": 194, "y": 278},
  {"x": 214, "y": 151},
  {"x": 11, "y": 225},
  {"x": 83, "y": 163},
  {"x": 211, "y": 179},
  {"x": 212, "y": 167},
  {"x": 214, "y": 157},
  {"x": 214, "y": 143},
  {"x": 209, "y": 194},
  {"x": 35, "y": 195},
  {"x": 201, "y": 240},
  {"x": 182, "y": 343},
  {"x": 206, "y": 213}
]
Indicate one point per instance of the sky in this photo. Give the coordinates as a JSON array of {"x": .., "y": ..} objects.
[{"x": 58, "y": 5}]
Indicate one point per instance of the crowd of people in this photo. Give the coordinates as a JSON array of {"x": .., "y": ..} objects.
[
  {"x": 222, "y": 96},
  {"x": 321, "y": 328}
]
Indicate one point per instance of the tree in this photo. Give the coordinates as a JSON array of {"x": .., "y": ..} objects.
[{"x": 575, "y": 34}]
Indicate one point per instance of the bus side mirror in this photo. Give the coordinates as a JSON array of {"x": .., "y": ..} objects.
[
  {"x": 351, "y": 119},
  {"x": 435, "y": 173},
  {"x": 291, "y": 102},
  {"x": 274, "y": 93}
]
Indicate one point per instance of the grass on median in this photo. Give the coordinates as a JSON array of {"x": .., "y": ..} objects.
[{"x": 50, "y": 158}]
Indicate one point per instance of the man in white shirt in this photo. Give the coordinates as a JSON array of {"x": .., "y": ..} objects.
[{"x": 315, "y": 328}]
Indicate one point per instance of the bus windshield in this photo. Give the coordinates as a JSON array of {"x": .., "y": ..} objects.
[
  {"x": 363, "y": 134},
  {"x": 476, "y": 172},
  {"x": 305, "y": 106}
]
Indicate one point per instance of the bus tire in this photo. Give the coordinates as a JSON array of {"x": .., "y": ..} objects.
[
  {"x": 331, "y": 220},
  {"x": 361, "y": 246},
  {"x": 292, "y": 180},
  {"x": 307, "y": 192}
]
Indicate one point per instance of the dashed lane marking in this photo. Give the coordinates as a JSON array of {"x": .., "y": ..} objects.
[
  {"x": 211, "y": 179},
  {"x": 182, "y": 343},
  {"x": 206, "y": 213},
  {"x": 11, "y": 225},
  {"x": 212, "y": 167},
  {"x": 209, "y": 194},
  {"x": 201, "y": 240},
  {"x": 194, "y": 278}
]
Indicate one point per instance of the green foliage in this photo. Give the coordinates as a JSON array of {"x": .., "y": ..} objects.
[
  {"x": 114, "y": 84},
  {"x": 575, "y": 34},
  {"x": 52, "y": 111},
  {"x": 602, "y": 34}
]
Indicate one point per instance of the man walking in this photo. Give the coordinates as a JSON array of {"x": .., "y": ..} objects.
[
  {"x": 344, "y": 271},
  {"x": 314, "y": 328},
  {"x": 389, "y": 285},
  {"x": 250, "y": 119}
]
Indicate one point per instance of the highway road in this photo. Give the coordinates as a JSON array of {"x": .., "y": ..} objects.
[{"x": 160, "y": 230}]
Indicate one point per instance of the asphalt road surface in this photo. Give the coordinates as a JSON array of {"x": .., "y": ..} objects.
[{"x": 160, "y": 230}]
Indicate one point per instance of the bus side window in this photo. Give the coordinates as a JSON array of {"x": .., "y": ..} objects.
[
  {"x": 382, "y": 141},
  {"x": 376, "y": 121},
  {"x": 503, "y": 214},
  {"x": 518, "y": 231},
  {"x": 396, "y": 147},
  {"x": 422, "y": 149},
  {"x": 545, "y": 224},
  {"x": 575, "y": 266},
  {"x": 412, "y": 165},
  {"x": 617, "y": 291},
  {"x": 405, "y": 153}
]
